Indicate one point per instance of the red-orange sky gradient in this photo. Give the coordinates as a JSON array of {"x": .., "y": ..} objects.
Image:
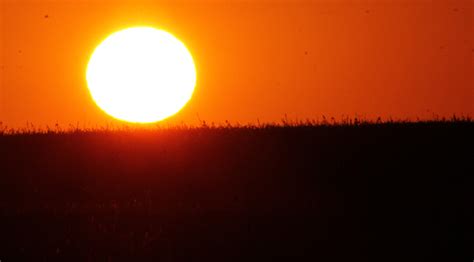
[{"x": 255, "y": 59}]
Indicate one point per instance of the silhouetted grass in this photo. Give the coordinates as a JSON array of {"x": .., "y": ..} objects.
[
  {"x": 31, "y": 129},
  {"x": 294, "y": 191}
]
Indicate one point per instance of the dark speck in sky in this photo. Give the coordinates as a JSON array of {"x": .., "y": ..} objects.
[{"x": 46, "y": 16}]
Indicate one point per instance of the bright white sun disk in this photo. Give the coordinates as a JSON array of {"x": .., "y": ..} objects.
[{"x": 141, "y": 74}]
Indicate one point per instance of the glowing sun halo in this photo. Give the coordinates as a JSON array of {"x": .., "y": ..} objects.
[{"x": 141, "y": 74}]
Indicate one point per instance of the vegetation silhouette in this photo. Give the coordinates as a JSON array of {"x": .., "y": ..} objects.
[{"x": 351, "y": 191}]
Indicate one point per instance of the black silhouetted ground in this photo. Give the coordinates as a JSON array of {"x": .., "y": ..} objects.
[{"x": 378, "y": 192}]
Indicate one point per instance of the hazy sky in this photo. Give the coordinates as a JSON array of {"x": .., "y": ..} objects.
[{"x": 255, "y": 59}]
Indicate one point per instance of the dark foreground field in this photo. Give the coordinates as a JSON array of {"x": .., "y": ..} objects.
[{"x": 390, "y": 192}]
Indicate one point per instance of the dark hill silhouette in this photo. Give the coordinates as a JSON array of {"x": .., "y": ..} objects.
[{"x": 379, "y": 192}]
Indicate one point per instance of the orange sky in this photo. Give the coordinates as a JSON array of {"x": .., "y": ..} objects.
[{"x": 255, "y": 59}]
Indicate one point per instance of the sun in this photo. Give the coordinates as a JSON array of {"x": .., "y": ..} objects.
[{"x": 141, "y": 75}]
